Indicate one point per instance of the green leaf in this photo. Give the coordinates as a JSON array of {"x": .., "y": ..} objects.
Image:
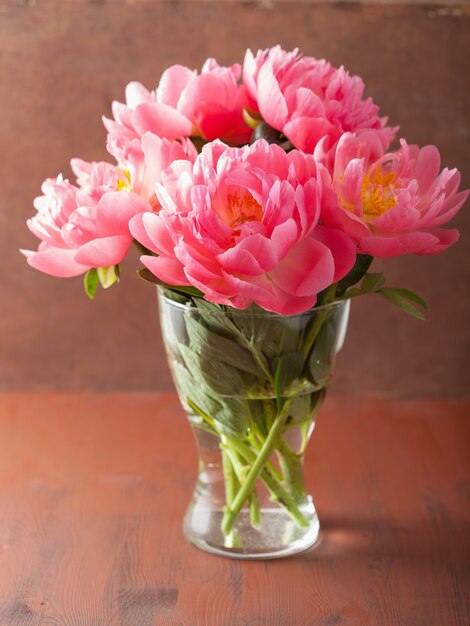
[
  {"x": 372, "y": 282},
  {"x": 322, "y": 355},
  {"x": 147, "y": 275},
  {"x": 305, "y": 407},
  {"x": 300, "y": 409},
  {"x": 210, "y": 307},
  {"x": 91, "y": 282},
  {"x": 361, "y": 266},
  {"x": 142, "y": 249},
  {"x": 219, "y": 348},
  {"x": 288, "y": 368},
  {"x": 201, "y": 385},
  {"x": 410, "y": 295},
  {"x": 405, "y": 300},
  {"x": 176, "y": 296},
  {"x": 222, "y": 378},
  {"x": 215, "y": 318},
  {"x": 234, "y": 416},
  {"x": 258, "y": 414},
  {"x": 190, "y": 388},
  {"x": 282, "y": 336},
  {"x": 107, "y": 276},
  {"x": 250, "y": 325},
  {"x": 191, "y": 360},
  {"x": 353, "y": 293}
]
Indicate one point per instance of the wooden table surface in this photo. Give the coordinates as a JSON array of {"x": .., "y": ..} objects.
[{"x": 93, "y": 488}]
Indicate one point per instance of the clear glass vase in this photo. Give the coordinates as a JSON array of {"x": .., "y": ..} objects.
[{"x": 251, "y": 383}]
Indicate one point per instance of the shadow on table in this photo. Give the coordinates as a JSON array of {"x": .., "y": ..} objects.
[{"x": 380, "y": 538}]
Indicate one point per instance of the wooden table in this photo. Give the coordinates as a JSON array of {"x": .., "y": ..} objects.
[{"x": 93, "y": 488}]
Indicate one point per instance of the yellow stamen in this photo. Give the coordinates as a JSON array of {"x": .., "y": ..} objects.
[
  {"x": 124, "y": 184},
  {"x": 378, "y": 192}
]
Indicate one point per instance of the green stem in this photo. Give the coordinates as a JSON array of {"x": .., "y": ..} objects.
[
  {"x": 207, "y": 418},
  {"x": 256, "y": 444},
  {"x": 234, "y": 475},
  {"x": 282, "y": 497},
  {"x": 270, "y": 476},
  {"x": 230, "y": 478},
  {"x": 291, "y": 465},
  {"x": 278, "y": 492},
  {"x": 328, "y": 297},
  {"x": 304, "y": 431},
  {"x": 250, "y": 457},
  {"x": 232, "y": 511},
  {"x": 255, "y": 513},
  {"x": 238, "y": 467},
  {"x": 269, "y": 412}
]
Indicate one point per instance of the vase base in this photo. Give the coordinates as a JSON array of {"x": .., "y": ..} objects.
[{"x": 279, "y": 536}]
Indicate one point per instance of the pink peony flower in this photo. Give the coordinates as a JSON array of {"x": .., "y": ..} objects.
[
  {"x": 81, "y": 228},
  {"x": 393, "y": 203},
  {"x": 309, "y": 101},
  {"x": 208, "y": 105},
  {"x": 146, "y": 158},
  {"x": 241, "y": 225},
  {"x": 88, "y": 226}
]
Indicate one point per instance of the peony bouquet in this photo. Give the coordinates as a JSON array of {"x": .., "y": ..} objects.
[{"x": 257, "y": 194}]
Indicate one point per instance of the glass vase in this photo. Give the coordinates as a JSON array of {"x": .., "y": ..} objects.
[{"x": 252, "y": 383}]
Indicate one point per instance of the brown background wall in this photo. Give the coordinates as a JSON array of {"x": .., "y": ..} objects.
[{"x": 61, "y": 65}]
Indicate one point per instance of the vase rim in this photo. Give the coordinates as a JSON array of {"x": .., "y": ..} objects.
[{"x": 256, "y": 313}]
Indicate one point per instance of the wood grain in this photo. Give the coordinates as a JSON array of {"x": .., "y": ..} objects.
[{"x": 93, "y": 488}]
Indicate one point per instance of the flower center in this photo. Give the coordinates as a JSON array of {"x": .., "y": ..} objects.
[
  {"x": 242, "y": 208},
  {"x": 378, "y": 192},
  {"x": 124, "y": 183}
]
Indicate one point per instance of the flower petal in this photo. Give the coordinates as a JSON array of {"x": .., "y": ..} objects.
[
  {"x": 104, "y": 252},
  {"x": 271, "y": 102},
  {"x": 167, "y": 269},
  {"x": 115, "y": 209},
  {"x": 58, "y": 262},
  {"x": 161, "y": 120},
  {"x": 306, "y": 270},
  {"x": 173, "y": 81}
]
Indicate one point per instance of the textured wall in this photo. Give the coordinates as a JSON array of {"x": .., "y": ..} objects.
[{"x": 61, "y": 65}]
